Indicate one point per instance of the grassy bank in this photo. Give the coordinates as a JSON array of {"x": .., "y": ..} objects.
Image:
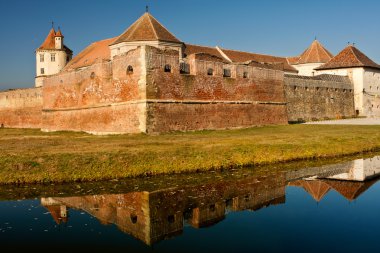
[{"x": 29, "y": 156}]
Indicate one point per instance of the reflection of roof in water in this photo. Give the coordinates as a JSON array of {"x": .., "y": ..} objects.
[
  {"x": 351, "y": 190},
  {"x": 316, "y": 188}
]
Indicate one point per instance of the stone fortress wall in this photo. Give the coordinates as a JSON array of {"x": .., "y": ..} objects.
[
  {"x": 21, "y": 108},
  {"x": 106, "y": 97},
  {"x": 319, "y": 97},
  {"x": 134, "y": 93}
]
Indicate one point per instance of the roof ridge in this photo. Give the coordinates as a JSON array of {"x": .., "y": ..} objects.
[
  {"x": 161, "y": 25},
  {"x": 153, "y": 28},
  {"x": 239, "y": 51}
]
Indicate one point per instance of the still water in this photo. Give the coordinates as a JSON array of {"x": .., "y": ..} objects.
[{"x": 333, "y": 207}]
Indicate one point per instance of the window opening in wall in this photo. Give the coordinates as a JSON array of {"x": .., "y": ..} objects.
[
  {"x": 42, "y": 70},
  {"x": 42, "y": 59},
  {"x": 92, "y": 76},
  {"x": 210, "y": 72},
  {"x": 167, "y": 68},
  {"x": 129, "y": 70},
  {"x": 52, "y": 57},
  {"x": 370, "y": 87},
  {"x": 226, "y": 73},
  {"x": 184, "y": 68},
  {"x": 245, "y": 75},
  {"x": 171, "y": 219},
  {"x": 133, "y": 218}
]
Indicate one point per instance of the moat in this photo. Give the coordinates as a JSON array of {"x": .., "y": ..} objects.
[{"x": 305, "y": 209}]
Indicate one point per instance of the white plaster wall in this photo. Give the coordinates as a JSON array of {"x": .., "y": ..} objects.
[
  {"x": 50, "y": 67},
  {"x": 307, "y": 69},
  {"x": 124, "y": 47},
  {"x": 362, "y": 170},
  {"x": 371, "y": 97}
]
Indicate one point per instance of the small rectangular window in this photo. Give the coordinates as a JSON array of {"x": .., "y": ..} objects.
[
  {"x": 42, "y": 58},
  {"x": 52, "y": 57},
  {"x": 42, "y": 71},
  {"x": 226, "y": 73}
]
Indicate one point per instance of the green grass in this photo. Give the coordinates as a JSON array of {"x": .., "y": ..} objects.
[{"x": 30, "y": 156}]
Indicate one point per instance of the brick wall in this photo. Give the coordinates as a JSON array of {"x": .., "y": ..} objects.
[
  {"x": 102, "y": 98},
  {"x": 200, "y": 101},
  {"x": 320, "y": 97},
  {"x": 21, "y": 108}
]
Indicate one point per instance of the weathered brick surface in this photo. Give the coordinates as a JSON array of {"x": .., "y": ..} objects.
[
  {"x": 184, "y": 117},
  {"x": 21, "y": 108},
  {"x": 153, "y": 216},
  {"x": 310, "y": 99},
  {"x": 100, "y": 99}
]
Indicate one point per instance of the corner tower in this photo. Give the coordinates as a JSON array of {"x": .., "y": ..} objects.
[
  {"x": 146, "y": 31},
  {"x": 313, "y": 57},
  {"x": 51, "y": 56}
]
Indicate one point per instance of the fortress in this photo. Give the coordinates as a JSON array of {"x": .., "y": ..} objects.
[{"x": 146, "y": 80}]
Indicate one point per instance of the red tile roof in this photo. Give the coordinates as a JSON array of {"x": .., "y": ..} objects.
[
  {"x": 316, "y": 53},
  {"x": 348, "y": 189},
  {"x": 293, "y": 60},
  {"x": 239, "y": 56},
  {"x": 49, "y": 43},
  {"x": 350, "y": 57},
  {"x": 59, "y": 33},
  {"x": 316, "y": 188},
  {"x": 96, "y": 52},
  {"x": 196, "y": 49},
  {"x": 146, "y": 28}
]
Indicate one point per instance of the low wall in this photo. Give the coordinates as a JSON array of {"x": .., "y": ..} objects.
[
  {"x": 319, "y": 97},
  {"x": 21, "y": 108}
]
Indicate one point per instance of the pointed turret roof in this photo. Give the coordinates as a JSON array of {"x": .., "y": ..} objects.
[
  {"x": 146, "y": 28},
  {"x": 316, "y": 188},
  {"x": 59, "y": 33},
  {"x": 350, "y": 57},
  {"x": 49, "y": 42},
  {"x": 316, "y": 53}
]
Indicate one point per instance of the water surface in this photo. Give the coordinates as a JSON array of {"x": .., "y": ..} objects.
[{"x": 314, "y": 209}]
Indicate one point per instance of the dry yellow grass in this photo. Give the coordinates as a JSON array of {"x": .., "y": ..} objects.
[{"x": 28, "y": 156}]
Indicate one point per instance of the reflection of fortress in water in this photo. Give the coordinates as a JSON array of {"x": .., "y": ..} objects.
[{"x": 156, "y": 215}]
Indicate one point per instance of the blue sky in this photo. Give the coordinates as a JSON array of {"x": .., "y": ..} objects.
[{"x": 283, "y": 28}]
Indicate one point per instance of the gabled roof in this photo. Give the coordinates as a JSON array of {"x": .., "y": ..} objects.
[
  {"x": 49, "y": 43},
  {"x": 146, "y": 28},
  {"x": 97, "y": 51},
  {"x": 239, "y": 56},
  {"x": 350, "y": 57},
  {"x": 316, "y": 53}
]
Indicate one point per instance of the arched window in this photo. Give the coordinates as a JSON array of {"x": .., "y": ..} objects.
[
  {"x": 210, "y": 72},
  {"x": 245, "y": 75},
  {"x": 167, "y": 68},
  {"x": 129, "y": 70},
  {"x": 92, "y": 76}
]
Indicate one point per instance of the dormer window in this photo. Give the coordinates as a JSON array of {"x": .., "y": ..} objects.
[
  {"x": 52, "y": 57},
  {"x": 42, "y": 58}
]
